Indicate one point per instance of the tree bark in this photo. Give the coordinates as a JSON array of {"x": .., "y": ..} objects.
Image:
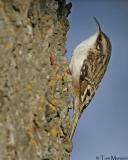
[{"x": 34, "y": 101}]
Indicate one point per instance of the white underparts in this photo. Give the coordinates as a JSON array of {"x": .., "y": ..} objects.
[{"x": 80, "y": 54}]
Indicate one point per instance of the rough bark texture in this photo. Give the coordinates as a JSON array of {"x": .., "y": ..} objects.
[{"x": 34, "y": 101}]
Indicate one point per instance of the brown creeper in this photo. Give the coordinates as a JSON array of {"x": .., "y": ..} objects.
[{"x": 88, "y": 65}]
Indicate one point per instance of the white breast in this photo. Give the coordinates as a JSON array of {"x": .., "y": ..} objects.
[{"x": 80, "y": 54}]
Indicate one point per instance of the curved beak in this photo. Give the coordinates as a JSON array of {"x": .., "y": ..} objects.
[{"x": 98, "y": 24}]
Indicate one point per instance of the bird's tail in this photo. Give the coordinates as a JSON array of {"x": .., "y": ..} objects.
[
  {"x": 74, "y": 124},
  {"x": 75, "y": 118},
  {"x": 77, "y": 114}
]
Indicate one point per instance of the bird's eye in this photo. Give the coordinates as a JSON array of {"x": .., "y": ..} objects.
[
  {"x": 98, "y": 46},
  {"x": 98, "y": 43}
]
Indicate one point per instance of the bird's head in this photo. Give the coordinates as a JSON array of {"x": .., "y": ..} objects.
[{"x": 102, "y": 42}]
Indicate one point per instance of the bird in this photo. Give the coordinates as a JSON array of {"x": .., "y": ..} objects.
[{"x": 87, "y": 67}]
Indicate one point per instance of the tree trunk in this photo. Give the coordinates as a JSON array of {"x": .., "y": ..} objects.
[{"x": 34, "y": 101}]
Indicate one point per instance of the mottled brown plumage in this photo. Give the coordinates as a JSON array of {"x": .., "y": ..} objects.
[{"x": 88, "y": 65}]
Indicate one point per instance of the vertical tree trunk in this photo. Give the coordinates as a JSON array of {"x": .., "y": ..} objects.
[{"x": 34, "y": 101}]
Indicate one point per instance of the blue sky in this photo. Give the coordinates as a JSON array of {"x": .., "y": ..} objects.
[{"x": 103, "y": 127}]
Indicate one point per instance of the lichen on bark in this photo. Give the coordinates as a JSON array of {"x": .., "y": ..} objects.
[{"x": 34, "y": 101}]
